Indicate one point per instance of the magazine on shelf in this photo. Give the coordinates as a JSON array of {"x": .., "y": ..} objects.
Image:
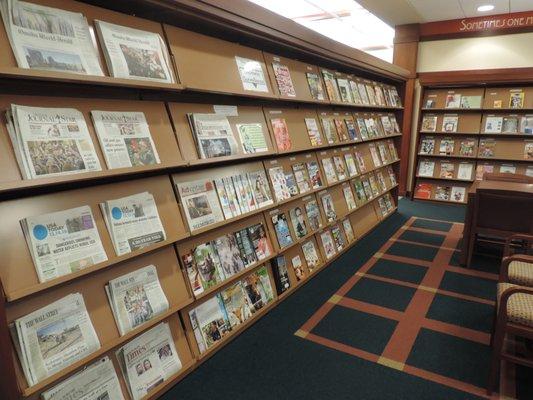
[
  {"x": 134, "y": 54},
  {"x": 342, "y": 130},
  {"x": 371, "y": 127},
  {"x": 423, "y": 191},
  {"x": 227, "y": 198},
  {"x": 133, "y": 222},
  {"x": 387, "y": 125},
  {"x": 125, "y": 139},
  {"x": 281, "y": 134},
  {"x": 340, "y": 167},
  {"x": 383, "y": 153},
  {"x": 136, "y": 298},
  {"x": 453, "y": 100},
  {"x": 302, "y": 177},
  {"x": 355, "y": 93},
  {"x": 191, "y": 270},
  {"x": 465, "y": 171},
  {"x": 526, "y": 124},
  {"x": 429, "y": 123},
  {"x": 235, "y": 304},
  {"x": 371, "y": 94},
  {"x": 507, "y": 169},
  {"x": 362, "y": 128},
  {"x": 97, "y": 381},
  {"x": 458, "y": 194},
  {"x": 344, "y": 90},
  {"x": 481, "y": 169},
  {"x": 331, "y": 86},
  {"x": 207, "y": 262},
  {"x": 373, "y": 184},
  {"x": 327, "y": 242},
  {"x": 313, "y": 132},
  {"x": 348, "y": 230},
  {"x": 310, "y": 254},
  {"x": 443, "y": 193},
  {"x": 360, "y": 161},
  {"x": 63, "y": 242},
  {"x": 283, "y": 79},
  {"x": 395, "y": 124},
  {"x": 229, "y": 255},
  {"x": 298, "y": 222},
  {"x": 430, "y": 103},
  {"x": 281, "y": 274},
  {"x": 529, "y": 171},
  {"x": 257, "y": 235},
  {"x": 213, "y": 135},
  {"x": 427, "y": 145},
  {"x": 381, "y": 181},
  {"x": 200, "y": 204},
  {"x": 246, "y": 247},
  {"x": 53, "y": 337},
  {"x": 209, "y": 322},
  {"x": 314, "y": 174},
  {"x": 471, "y": 101},
  {"x": 298, "y": 267},
  {"x": 375, "y": 157},
  {"x": 251, "y": 73},
  {"x": 359, "y": 191},
  {"x": 348, "y": 196},
  {"x": 252, "y": 138},
  {"x": 260, "y": 188},
  {"x": 362, "y": 93},
  {"x": 449, "y": 123},
  {"x": 281, "y": 227},
  {"x": 366, "y": 187},
  {"x": 528, "y": 150},
  {"x": 313, "y": 215},
  {"x": 510, "y": 125},
  {"x": 380, "y": 96},
  {"x": 493, "y": 125},
  {"x": 50, "y": 142},
  {"x": 516, "y": 99},
  {"x": 50, "y": 39},
  {"x": 467, "y": 147},
  {"x": 447, "y": 170},
  {"x": 329, "y": 170},
  {"x": 279, "y": 183},
  {"x": 315, "y": 86},
  {"x": 350, "y": 127},
  {"x": 329, "y": 209},
  {"x": 148, "y": 360},
  {"x": 350, "y": 165},
  {"x": 446, "y": 147},
  {"x": 392, "y": 176},
  {"x": 291, "y": 183},
  {"x": 329, "y": 130},
  {"x": 258, "y": 289},
  {"x": 486, "y": 148},
  {"x": 338, "y": 238}
]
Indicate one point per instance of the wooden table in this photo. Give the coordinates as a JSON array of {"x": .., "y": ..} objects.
[{"x": 492, "y": 185}]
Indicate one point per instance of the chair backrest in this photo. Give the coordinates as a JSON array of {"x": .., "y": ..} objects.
[
  {"x": 504, "y": 210},
  {"x": 496, "y": 176}
]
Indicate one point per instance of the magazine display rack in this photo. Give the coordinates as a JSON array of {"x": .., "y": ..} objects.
[
  {"x": 202, "y": 65},
  {"x": 465, "y": 132}
]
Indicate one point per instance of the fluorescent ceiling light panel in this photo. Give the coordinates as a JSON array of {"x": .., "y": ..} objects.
[{"x": 485, "y": 8}]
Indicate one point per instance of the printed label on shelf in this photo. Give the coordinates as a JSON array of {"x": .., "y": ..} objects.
[{"x": 230, "y": 111}]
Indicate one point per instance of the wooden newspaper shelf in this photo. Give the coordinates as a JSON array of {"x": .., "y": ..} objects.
[
  {"x": 500, "y": 98},
  {"x": 440, "y": 99}
]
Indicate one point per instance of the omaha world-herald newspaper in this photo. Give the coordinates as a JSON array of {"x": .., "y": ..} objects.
[
  {"x": 148, "y": 360},
  {"x": 54, "y": 337},
  {"x": 63, "y": 242},
  {"x": 51, "y": 39},
  {"x": 98, "y": 381}
]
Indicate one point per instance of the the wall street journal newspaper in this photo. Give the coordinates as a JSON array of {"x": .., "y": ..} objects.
[
  {"x": 125, "y": 139},
  {"x": 98, "y": 381},
  {"x": 136, "y": 298},
  {"x": 63, "y": 242},
  {"x": 54, "y": 337},
  {"x": 148, "y": 360},
  {"x": 134, "y": 54},
  {"x": 50, "y": 141},
  {"x": 133, "y": 222},
  {"x": 50, "y": 39}
]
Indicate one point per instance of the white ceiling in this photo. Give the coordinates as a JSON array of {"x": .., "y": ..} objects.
[{"x": 398, "y": 12}]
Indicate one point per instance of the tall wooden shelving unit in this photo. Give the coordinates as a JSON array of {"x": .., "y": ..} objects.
[
  {"x": 206, "y": 74},
  {"x": 499, "y": 150}
]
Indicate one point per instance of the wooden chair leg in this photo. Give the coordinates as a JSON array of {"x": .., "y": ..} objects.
[
  {"x": 494, "y": 323},
  {"x": 497, "y": 345}
]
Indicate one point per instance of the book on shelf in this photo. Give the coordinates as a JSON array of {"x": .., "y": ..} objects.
[
  {"x": 94, "y": 382},
  {"x": 302, "y": 177},
  {"x": 283, "y": 79},
  {"x": 148, "y": 360},
  {"x": 429, "y": 123},
  {"x": 486, "y": 148},
  {"x": 446, "y": 147},
  {"x": 50, "y": 142},
  {"x": 251, "y": 73},
  {"x": 331, "y": 86},
  {"x": 338, "y": 237},
  {"x": 510, "y": 124},
  {"x": 447, "y": 170},
  {"x": 133, "y": 222},
  {"x": 314, "y": 174},
  {"x": 315, "y": 86},
  {"x": 281, "y": 274},
  {"x": 443, "y": 193},
  {"x": 349, "y": 198},
  {"x": 464, "y": 171},
  {"x": 53, "y": 337},
  {"x": 340, "y": 167},
  {"x": 493, "y": 124},
  {"x": 528, "y": 150},
  {"x": 467, "y": 147},
  {"x": 449, "y": 123},
  {"x": 348, "y": 230},
  {"x": 516, "y": 99},
  {"x": 281, "y": 227},
  {"x": 427, "y": 145},
  {"x": 481, "y": 169},
  {"x": 363, "y": 94},
  {"x": 351, "y": 167},
  {"x": 344, "y": 90},
  {"x": 252, "y": 138},
  {"x": 298, "y": 268},
  {"x": 50, "y": 39},
  {"x": 329, "y": 130},
  {"x": 200, "y": 203},
  {"x": 235, "y": 303},
  {"x": 125, "y": 139},
  {"x": 362, "y": 128},
  {"x": 134, "y": 54},
  {"x": 313, "y": 215},
  {"x": 507, "y": 169},
  {"x": 310, "y": 254},
  {"x": 458, "y": 194},
  {"x": 328, "y": 244},
  {"x": 526, "y": 124},
  {"x": 298, "y": 222},
  {"x": 281, "y": 134},
  {"x": 213, "y": 135},
  {"x": 312, "y": 130},
  {"x": 453, "y": 100},
  {"x": 209, "y": 322},
  {"x": 63, "y": 242},
  {"x": 329, "y": 209},
  {"x": 472, "y": 101},
  {"x": 329, "y": 170},
  {"x": 136, "y": 298},
  {"x": 423, "y": 191}
]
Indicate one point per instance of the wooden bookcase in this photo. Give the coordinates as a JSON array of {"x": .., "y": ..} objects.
[
  {"x": 476, "y": 126},
  {"x": 207, "y": 81}
]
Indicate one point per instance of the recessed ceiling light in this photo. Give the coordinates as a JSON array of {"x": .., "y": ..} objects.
[{"x": 486, "y": 7}]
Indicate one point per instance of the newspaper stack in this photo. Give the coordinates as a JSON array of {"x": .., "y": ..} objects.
[
  {"x": 148, "y": 360},
  {"x": 125, "y": 139},
  {"x": 54, "y": 337},
  {"x": 136, "y": 298},
  {"x": 134, "y": 54},
  {"x": 98, "y": 381},
  {"x": 50, "y": 141},
  {"x": 63, "y": 242},
  {"x": 49, "y": 39},
  {"x": 133, "y": 222},
  {"x": 213, "y": 135}
]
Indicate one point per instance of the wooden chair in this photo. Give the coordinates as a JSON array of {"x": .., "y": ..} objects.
[
  {"x": 499, "y": 214},
  {"x": 496, "y": 176}
]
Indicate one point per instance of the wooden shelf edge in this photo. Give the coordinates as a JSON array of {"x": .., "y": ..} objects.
[
  {"x": 445, "y": 179},
  {"x": 160, "y": 389}
]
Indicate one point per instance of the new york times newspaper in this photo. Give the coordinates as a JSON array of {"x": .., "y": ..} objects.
[
  {"x": 136, "y": 298},
  {"x": 54, "y": 337},
  {"x": 148, "y": 360},
  {"x": 46, "y": 38},
  {"x": 133, "y": 222},
  {"x": 63, "y": 242},
  {"x": 98, "y": 381}
]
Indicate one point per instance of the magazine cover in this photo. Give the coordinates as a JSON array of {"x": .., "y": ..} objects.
[
  {"x": 329, "y": 130},
  {"x": 392, "y": 176},
  {"x": 315, "y": 87},
  {"x": 526, "y": 124},
  {"x": 360, "y": 160},
  {"x": 350, "y": 128},
  {"x": 359, "y": 191},
  {"x": 329, "y": 170},
  {"x": 446, "y": 170},
  {"x": 510, "y": 125},
  {"x": 199, "y": 200},
  {"x": 344, "y": 90},
  {"x": 453, "y": 100},
  {"x": 528, "y": 150},
  {"x": 375, "y": 157},
  {"x": 207, "y": 262},
  {"x": 310, "y": 255},
  {"x": 313, "y": 132},
  {"x": 314, "y": 174},
  {"x": 281, "y": 134},
  {"x": 481, "y": 169},
  {"x": 298, "y": 222},
  {"x": 423, "y": 191},
  {"x": 331, "y": 86},
  {"x": 251, "y": 74},
  {"x": 342, "y": 130},
  {"x": 340, "y": 167},
  {"x": 347, "y": 226},
  {"x": 355, "y": 93},
  {"x": 279, "y": 183},
  {"x": 234, "y": 300},
  {"x": 252, "y": 138},
  {"x": 328, "y": 244},
  {"x": 449, "y": 123},
  {"x": 260, "y": 241},
  {"x": 229, "y": 254},
  {"x": 350, "y": 165},
  {"x": 329, "y": 209},
  {"x": 281, "y": 274},
  {"x": 429, "y": 123},
  {"x": 192, "y": 273},
  {"x": 362, "y": 128},
  {"x": 338, "y": 238},
  {"x": 302, "y": 177},
  {"x": 366, "y": 186},
  {"x": 313, "y": 215},
  {"x": 246, "y": 247},
  {"x": 466, "y": 147},
  {"x": 260, "y": 188},
  {"x": 426, "y": 168},
  {"x": 458, "y": 194},
  {"x": 348, "y": 196},
  {"x": 210, "y": 322},
  {"x": 486, "y": 148},
  {"x": 226, "y": 204},
  {"x": 281, "y": 227},
  {"x": 362, "y": 93},
  {"x": 465, "y": 171},
  {"x": 298, "y": 268},
  {"x": 258, "y": 289},
  {"x": 387, "y": 125},
  {"x": 516, "y": 99},
  {"x": 471, "y": 101},
  {"x": 291, "y": 183},
  {"x": 442, "y": 193},
  {"x": 493, "y": 124},
  {"x": 507, "y": 169},
  {"x": 446, "y": 147},
  {"x": 283, "y": 79}
]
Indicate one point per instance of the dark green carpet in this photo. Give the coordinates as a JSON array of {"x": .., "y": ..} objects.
[{"x": 268, "y": 361}]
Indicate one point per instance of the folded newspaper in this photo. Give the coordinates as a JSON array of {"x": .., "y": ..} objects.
[
  {"x": 51, "y": 39},
  {"x": 50, "y": 141},
  {"x": 133, "y": 222},
  {"x": 148, "y": 360},
  {"x": 98, "y": 381},
  {"x": 54, "y": 337},
  {"x": 134, "y": 54},
  {"x": 213, "y": 135},
  {"x": 125, "y": 139},
  {"x": 136, "y": 298},
  {"x": 63, "y": 242}
]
